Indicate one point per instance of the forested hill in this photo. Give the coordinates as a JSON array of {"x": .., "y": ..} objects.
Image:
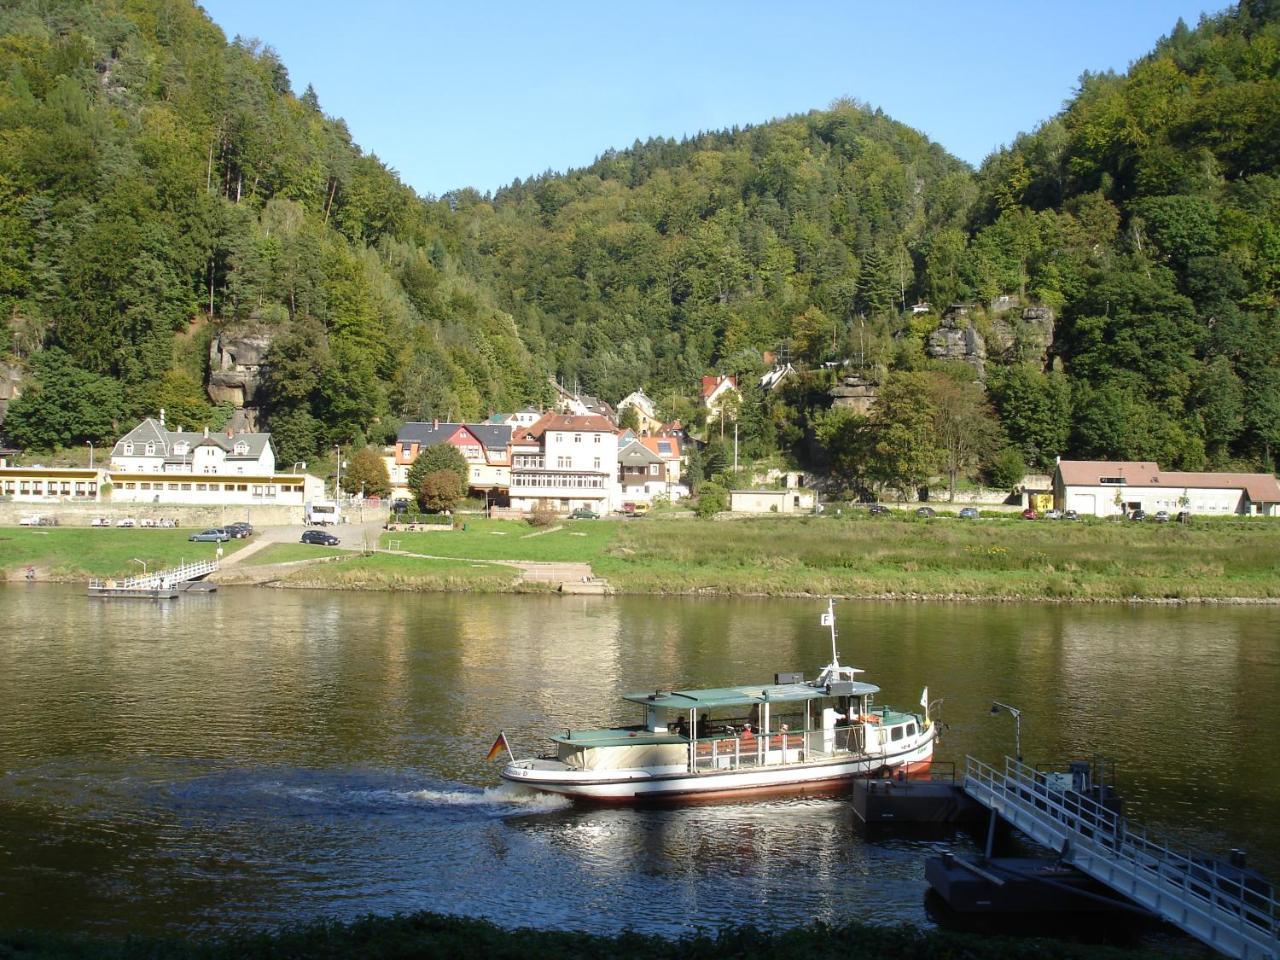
[{"x": 160, "y": 186}]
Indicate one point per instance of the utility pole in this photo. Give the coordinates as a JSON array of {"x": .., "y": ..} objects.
[
  {"x": 735, "y": 446},
  {"x": 337, "y": 480}
]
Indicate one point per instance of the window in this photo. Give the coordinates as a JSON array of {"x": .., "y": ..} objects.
[
  {"x": 595, "y": 437},
  {"x": 577, "y": 438},
  {"x": 563, "y": 463},
  {"x": 145, "y": 486},
  {"x": 1111, "y": 481},
  {"x": 242, "y": 448},
  {"x": 172, "y": 486},
  {"x": 653, "y": 469},
  {"x": 595, "y": 463},
  {"x": 186, "y": 486},
  {"x": 180, "y": 448},
  {"x": 911, "y": 729},
  {"x": 202, "y": 487},
  {"x": 128, "y": 449},
  {"x": 559, "y": 438},
  {"x": 895, "y": 734},
  {"x": 151, "y": 449}
]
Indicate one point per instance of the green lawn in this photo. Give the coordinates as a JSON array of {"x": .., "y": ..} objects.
[
  {"x": 77, "y": 553},
  {"x": 382, "y": 571},
  {"x": 574, "y": 541}
]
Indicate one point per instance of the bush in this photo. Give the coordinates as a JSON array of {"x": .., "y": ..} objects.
[
  {"x": 712, "y": 498},
  {"x": 543, "y": 515}
]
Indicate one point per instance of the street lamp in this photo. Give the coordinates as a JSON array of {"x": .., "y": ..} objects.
[
  {"x": 299, "y": 463},
  {"x": 144, "y": 565},
  {"x": 90, "y": 443},
  {"x": 996, "y": 707},
  {"x": 337, "y": 480}
]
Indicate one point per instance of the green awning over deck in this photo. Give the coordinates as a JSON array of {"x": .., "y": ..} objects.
[{"x": 740, "y": 696}]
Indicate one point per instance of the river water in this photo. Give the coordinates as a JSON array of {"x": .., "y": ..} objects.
[{"x": 258, "y": 756}]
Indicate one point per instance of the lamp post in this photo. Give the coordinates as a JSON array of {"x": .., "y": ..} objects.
[
  {"x": 337, "y": 480},
  {"x": 144, "y": 565},
  {"x": 299, "y": 463},
  {"x": 996, "y": 707},
  {"x": 90, "y": 443}
]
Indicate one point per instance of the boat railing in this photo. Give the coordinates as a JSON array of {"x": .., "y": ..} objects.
[{"x": 739, "y": 750}]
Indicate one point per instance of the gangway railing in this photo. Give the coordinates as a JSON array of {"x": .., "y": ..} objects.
[
  {"x": 1234, "y": 911},
  {"x": 160, "y": 578}
]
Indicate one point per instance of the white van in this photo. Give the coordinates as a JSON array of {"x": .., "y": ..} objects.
[{"x": 322, "y": 513}]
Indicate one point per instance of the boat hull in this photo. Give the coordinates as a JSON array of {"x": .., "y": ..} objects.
[{"x": 624, "y": 786}]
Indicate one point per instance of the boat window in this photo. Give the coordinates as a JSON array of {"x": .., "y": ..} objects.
[
  {"x": 911, "y": 729},
  {"x": 896, "y": 734}
]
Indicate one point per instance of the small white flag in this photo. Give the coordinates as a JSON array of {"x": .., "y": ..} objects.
[
  {"x": 828, "y": 619},
  {"x": 924, "y": 698}
]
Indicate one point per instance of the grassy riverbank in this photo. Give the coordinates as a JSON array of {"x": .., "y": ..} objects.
[
  {"x": 899, "y": 556},
  {"x": 78, "y": 553},
  {"x": 431, "y": 935}
]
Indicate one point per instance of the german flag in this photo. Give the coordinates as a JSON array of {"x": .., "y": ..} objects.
[{"x": 499, "y": 745}]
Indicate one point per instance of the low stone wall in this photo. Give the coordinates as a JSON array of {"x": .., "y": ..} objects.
[{"x": 73, "y": 514}]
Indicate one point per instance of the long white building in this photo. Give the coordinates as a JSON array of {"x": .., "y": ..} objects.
[{"x": 1106, "y": 488}]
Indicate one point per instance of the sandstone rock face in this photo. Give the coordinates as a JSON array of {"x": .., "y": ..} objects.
[
  {"x": 236, "y": 361},
  {"x": 956, "y": 339},
  {"x": 856, "y": 393},
  {"x": 1025, "y": 335},
  {"x": 10, "y": 386}
]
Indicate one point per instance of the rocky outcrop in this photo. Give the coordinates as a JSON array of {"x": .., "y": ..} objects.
[
  {"x": 1024, "y": 335},
  {"x": 235, "y": 364},
  {"x": 855, "y": 392},
  {"x": 956, "y": 339},
  {"x": 10, "y": 386}
]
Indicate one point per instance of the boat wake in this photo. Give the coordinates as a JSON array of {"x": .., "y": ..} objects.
[{"x": 502, "y": 799}]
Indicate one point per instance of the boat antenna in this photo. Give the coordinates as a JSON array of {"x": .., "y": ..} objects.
[{"x": 829, "y": 620}]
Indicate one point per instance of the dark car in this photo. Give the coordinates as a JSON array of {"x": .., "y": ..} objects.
[
  {"x": 1070, "y": 515},
  {"x": 214, "y": 535},
  {"x": 584, "y": 513},
  {"x": 926, "y": 512},
  {"x": 241, "y": 529},
  {"x": 400, "y": 506},
  {"x": 968, "y": 513},
  {"x": 319, "y": 537},
  {"x": 1162, "y": 516},
  {"x": 878, "y": 510},
  {"x": 1138, "y": 515},
  {"x": 1030, "y": 514}
]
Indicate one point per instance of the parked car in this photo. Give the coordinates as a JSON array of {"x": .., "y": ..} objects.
[
  {"x": 1054, "y": 514},
  {"x": 99, "y": 522},
  {"x": 400, "y": 506},
  {"x": 126, "y": 522},
  {"x": 1162, "y": 516},
  {"x": 1030, "y": 514},
  {"x": 878, "y": 510},
  {"x": 1184, "y": 516},
  {"x": 584, "y": 513},
  {"x": 37, "y": 520},
  {"x": 240, "y": 529},
  {"x": 1070, "y": 515},
  {"x": 319, "y": 537},
  {"x": 926, "y": 512},
  {"x": 212, "y": 535},
  {"x": 968, "y": 513},
  {"x": 1138, "y": 515}
]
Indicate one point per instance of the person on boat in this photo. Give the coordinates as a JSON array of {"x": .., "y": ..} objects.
[
  {"x": 682, "y": 727},
  {"x": 748, "y": 735},
  {"x": 830, "y": 717}
]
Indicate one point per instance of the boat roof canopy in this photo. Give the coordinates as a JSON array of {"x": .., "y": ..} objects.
[{"x": 745, "y": 696}]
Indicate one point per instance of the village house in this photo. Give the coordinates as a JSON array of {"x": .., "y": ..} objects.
[
  {"x": 669, "y": 449},
  {"x": 565, "y": 461},
  {"x": 792, "y": 500},
  {"x": 642, "y": 475},
  {"x": 716, "y": 392},
  {"x": 1101, "y": 488},
  {"x": 153, "y": 464},
  {"x": 485, "y": 446},
  {"x": 581, "y": 404},
  {"x": 646, "y": 412}
]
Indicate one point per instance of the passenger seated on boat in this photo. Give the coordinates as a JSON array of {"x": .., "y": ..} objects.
[
  {"x": 748, "y": 736},
  {"x": 682, "y": 727}
]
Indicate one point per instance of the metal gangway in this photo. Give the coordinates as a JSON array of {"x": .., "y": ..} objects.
[
  {"x": 158, "y": 580},
  {"x": 1232, "y": 910}
]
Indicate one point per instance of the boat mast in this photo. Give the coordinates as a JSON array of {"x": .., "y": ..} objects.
[{"x": 829, "y": 620}]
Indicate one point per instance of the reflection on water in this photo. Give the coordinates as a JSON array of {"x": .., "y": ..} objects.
[{"x": 259, "y": 756}]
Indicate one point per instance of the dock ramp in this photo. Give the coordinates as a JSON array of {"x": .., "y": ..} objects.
[
  {"x": 1232, "y": 910},
  {"x": 159, "y": 585}
]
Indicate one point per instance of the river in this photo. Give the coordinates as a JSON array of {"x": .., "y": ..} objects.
[{"x": 260, "y": 756}]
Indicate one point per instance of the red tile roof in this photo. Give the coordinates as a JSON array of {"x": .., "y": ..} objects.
[
  {"x": 656, "y": 445},
  {"x": 568, "y": 422},
  {"x": 709, "y": 384}
]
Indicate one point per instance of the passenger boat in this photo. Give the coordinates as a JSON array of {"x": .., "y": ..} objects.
[{"x": 790, "y": 735}]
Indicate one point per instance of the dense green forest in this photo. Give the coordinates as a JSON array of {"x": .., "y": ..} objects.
[{"x": 160, "y": 186}]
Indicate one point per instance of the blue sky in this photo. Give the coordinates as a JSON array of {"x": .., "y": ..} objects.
[{"x": 477, "y": 94}]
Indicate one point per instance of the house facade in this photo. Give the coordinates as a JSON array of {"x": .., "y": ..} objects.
[
  {"x": 565, "y": 461},
  {"x": 669, "y": 449},
  {"x": 647, "y": 419},
  {"x": 642, "y": 474},
  {"x": 1102, "y": 488},
  {"x": 716, "y": 392},
  {"x": 155, "y": 465},
  {"x": 485, "y": 446}
]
